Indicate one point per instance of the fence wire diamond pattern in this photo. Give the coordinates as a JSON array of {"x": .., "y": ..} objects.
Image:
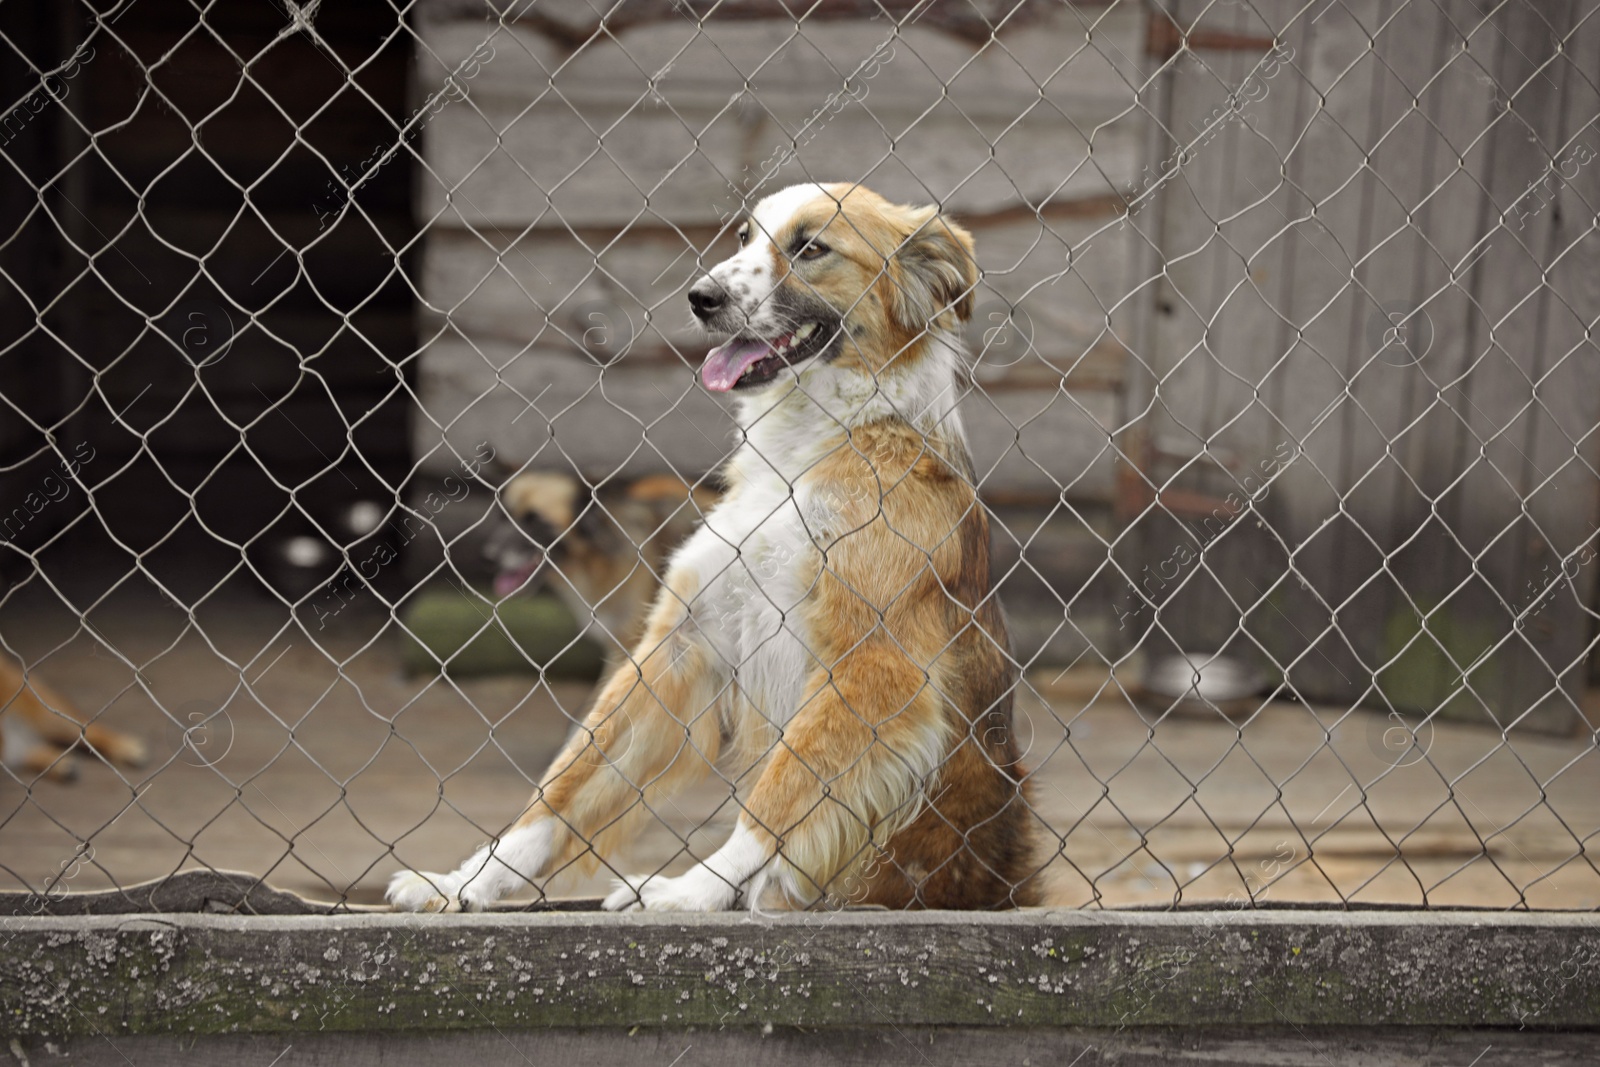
[{"x": 352, "y": 415}]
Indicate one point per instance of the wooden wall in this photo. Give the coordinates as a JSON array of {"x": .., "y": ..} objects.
[
  {"x": 1389, "y": 172},
  {"x": 588, "y": 177},
  {"x": 1304, "y": 184},
  {"x": 593, "y": 182}
]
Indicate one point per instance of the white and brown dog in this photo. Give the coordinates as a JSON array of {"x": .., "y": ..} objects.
[{"x": 829, "y": 633}]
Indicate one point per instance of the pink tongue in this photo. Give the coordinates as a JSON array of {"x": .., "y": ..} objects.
[
  {"x": 508, "y": 582},
  {"x": 726, "y": 363}
]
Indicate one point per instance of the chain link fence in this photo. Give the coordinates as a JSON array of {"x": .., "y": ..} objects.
[{"x": 349, "y": 419}]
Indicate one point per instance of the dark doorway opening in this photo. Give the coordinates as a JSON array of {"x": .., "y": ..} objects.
[{"x": 206, "y": 328}]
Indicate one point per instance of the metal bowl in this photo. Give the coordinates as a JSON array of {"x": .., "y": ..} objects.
[{"x": 1202, "y": 682}]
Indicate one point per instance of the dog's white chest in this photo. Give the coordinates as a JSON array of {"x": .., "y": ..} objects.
[{"x": 756, "y": 563}]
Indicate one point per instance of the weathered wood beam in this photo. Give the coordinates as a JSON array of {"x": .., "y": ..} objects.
[{"x": 212, "y": 974}]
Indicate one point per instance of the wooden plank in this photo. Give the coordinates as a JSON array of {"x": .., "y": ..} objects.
[
  {"x": 644, "y": 127},
  {"x": 547, "y": 407},
  {"x": 733, "y": 1046},
  {"x": 206, "y": 974},
  {"x": 1050, "y": 301},
  {"x": 1556, "y": 375},
  {"x": 1521, "y": 497},
  {"x": 1298, "y": 350},
  {"x": 609, "y": 295},
  {"x": 1387, "y": 231},
  {"x": 592, "y": 266},
  {"x": 574, "y": 22},
  {"x": 544, "y": 407},
  {"x": 689, "y": 168},
  {"x": 1231, "y": 310},
  {"x": 1042, "y": 309},
  {"x": 1066, "y": 58}
]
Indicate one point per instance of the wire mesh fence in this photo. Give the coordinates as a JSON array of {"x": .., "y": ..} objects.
[{"x": 357, "y": 429}]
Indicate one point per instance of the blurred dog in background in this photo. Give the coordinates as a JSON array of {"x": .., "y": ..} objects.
[
  {"x": 59, "y": 728},
  {"x": 602, "y": 551}
]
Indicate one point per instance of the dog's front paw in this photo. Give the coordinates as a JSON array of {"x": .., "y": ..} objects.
[
  {"x": 699, "y": 890},
  {"x": 426, "y": 891},
  {"x": 511, "y": 862},
  {"x": 626, "y": 896}
]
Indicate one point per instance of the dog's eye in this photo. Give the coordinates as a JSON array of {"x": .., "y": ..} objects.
[
  {"x": 744, "y": 235},
  {"x": 814, "y": 250}
]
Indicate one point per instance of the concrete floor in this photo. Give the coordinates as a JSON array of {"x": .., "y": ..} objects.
[{"x": 339, "y": 769}]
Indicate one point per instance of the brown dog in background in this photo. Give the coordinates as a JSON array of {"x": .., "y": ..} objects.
[
  {"x": 603, "y": 551},
  {"x": 59, "y": 726}
]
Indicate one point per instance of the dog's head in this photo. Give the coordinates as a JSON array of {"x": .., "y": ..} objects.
[
  {"x": 544, "y": 505},
  {"x": 835, "y": 275},
  {"x": 596, "y": 538}
]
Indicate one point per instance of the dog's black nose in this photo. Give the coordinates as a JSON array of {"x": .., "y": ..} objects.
[{"x": 707, "y": 298}]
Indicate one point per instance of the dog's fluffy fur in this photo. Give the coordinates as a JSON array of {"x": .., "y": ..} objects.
[
  {"x": 602, "y": 551},
  {"x": 829, "y": 633},
  {"x": 59, "y": 726}
]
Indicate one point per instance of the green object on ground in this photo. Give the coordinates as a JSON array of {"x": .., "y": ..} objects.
[
  {"x": 1421, "y": 676},
  {"x": 473, "y": 636}
]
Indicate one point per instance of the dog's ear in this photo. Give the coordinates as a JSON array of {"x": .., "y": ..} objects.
[{"x": 933, "y": 273}]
